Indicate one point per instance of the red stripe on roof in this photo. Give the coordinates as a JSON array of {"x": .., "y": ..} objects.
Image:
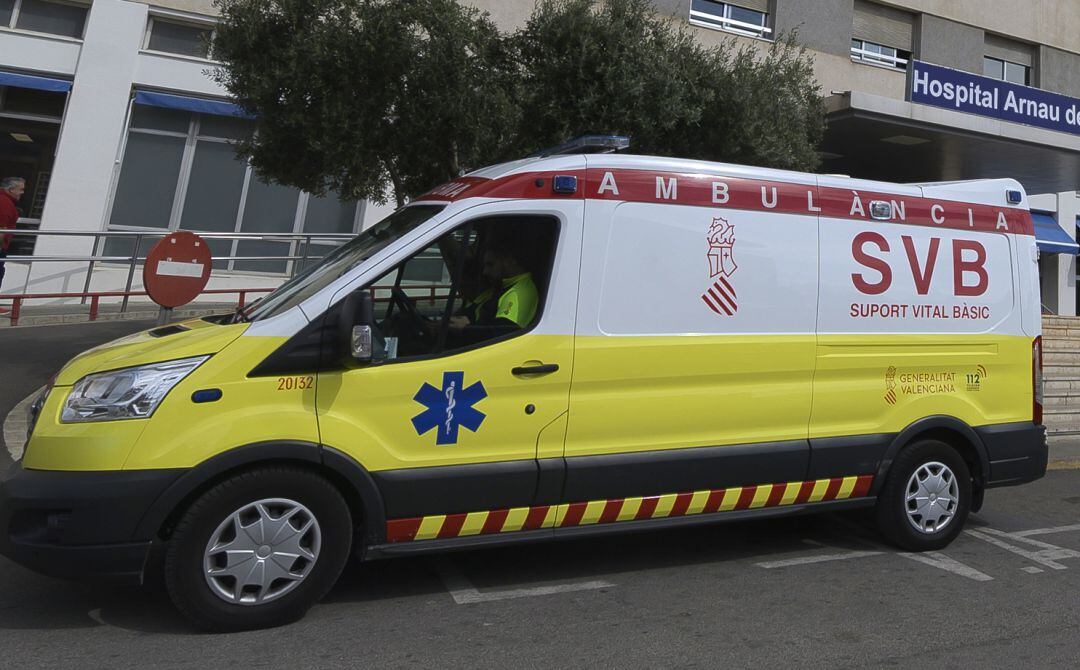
[{"x": 636, "y": 185}]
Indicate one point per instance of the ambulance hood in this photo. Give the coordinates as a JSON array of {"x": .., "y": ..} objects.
[{"x": 181, "y": 340}]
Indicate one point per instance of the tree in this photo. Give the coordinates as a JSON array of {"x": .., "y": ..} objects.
[
  {"x": 615, "y": 66},
  {"x": 354, "y": 96},
  {"x": 369, "y": 98}
]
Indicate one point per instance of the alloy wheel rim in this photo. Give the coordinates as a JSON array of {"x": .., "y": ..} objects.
[
  {"x": 932, "y": 497},
  {"x": 262, "y": 551}
]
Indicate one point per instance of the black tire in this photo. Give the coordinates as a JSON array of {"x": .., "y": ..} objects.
[
  {"x": 184, "y": 554},
  {"x": 892, "y": 506}
]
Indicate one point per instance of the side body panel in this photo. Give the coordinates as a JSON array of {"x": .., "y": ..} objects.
[
  {"x": 918, "y": 321},
  {"x": 695, "y": 348}
]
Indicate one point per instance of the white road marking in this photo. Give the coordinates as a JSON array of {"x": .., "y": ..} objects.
[
  {"x": 940, "y": 560},
  {"x": 15, "y": 425},
  {"x": 464, "y": 593},
  {"x": 1047, "y": 555},
  {"x": 1031, "y": 569},
  {"x": 807, "y": 560},
  {"x": 1046, "y": 531}
]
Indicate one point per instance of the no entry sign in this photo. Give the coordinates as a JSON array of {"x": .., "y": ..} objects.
[{"x": 177, "y": 269}]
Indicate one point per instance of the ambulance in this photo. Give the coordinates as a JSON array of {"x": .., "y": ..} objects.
[{"x": 572, "y": 344}]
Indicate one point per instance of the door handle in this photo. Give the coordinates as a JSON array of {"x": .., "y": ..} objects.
[{"x": 535, "y": 369}]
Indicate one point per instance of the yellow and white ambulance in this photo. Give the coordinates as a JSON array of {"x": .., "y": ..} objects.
[{"x": 565, "y": 345}]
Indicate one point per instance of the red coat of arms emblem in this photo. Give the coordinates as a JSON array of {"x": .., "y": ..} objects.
[{"x": 721, "y": 297}]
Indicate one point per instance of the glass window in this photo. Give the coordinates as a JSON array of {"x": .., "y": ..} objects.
[
  {"x": 54, "y": 18},
  {"x": 742, "y": 15},
  {"x": 262, "y": 248},
  {"x": 225, "y": 127},
  {"x": 158, "y": 118},
  {"x": 878, "y": 54},
  {"x": 180, "y": 38},
  {"x": 343, "y": 259},
  {"x": 214, "y": 188},
  {"x": 144, "y": 196},
  {"x": 7, "y": 7},
  {"x": 32, "y": 101},
  {"x": 269, "y": 208},
  {"x": 123, "y": 246},
  {"x": 1006, "y": 71},
  {"x": 726, "y": 16},
  {"x": 329, "y": 215},
  {"x": 482, "y": 282},
  {"x": 1017, "y": 74}
]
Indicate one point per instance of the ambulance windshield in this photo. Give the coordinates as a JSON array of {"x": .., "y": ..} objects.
[{"x": 339, "y": 262}]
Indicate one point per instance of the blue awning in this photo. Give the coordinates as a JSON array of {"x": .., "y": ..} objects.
[
  {"x": 1049, "y": 236},
  {"x": 197, "y": 105},
  {"x": 35, "y": 82}
]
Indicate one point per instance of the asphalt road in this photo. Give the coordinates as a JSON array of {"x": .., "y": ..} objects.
[{"x": 813, "y": 592}]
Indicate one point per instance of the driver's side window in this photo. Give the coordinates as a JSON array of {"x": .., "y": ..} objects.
[{"x": 484, "y": 281}]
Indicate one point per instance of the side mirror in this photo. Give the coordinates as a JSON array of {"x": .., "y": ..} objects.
[{"x": 355, "y": 326}]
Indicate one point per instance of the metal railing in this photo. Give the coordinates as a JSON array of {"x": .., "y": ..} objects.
[{"x": 302, "y": 248}]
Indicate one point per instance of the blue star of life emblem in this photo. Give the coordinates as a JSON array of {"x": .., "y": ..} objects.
[{"x": 449, "y": 408}]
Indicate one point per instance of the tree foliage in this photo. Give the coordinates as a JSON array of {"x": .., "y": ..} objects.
[{"x": 370, "y": 98}]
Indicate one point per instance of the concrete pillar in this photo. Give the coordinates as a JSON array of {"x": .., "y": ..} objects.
[{"x": 90, "y": 137}]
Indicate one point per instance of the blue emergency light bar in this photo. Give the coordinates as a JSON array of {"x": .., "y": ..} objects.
[{"x": 588, "y": 144}]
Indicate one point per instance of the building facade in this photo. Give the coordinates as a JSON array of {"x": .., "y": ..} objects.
[{"x": 108, "y": 109}]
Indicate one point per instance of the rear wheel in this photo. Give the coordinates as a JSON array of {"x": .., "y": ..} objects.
[
  {"x": 926, "y": 497},
  {"x": 258, "y": 550}
]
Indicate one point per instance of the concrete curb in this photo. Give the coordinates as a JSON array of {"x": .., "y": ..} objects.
[{"x": 15, "y": 425}]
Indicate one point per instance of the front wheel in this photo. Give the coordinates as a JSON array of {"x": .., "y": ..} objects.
[
  {"x": 258, "y": 549},
  {"x": 926, "y": 497}
]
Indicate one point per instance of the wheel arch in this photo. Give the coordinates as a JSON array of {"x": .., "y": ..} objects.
[
  {"x": 953, "y": 432},
  {"x": 350, "y": 478}
]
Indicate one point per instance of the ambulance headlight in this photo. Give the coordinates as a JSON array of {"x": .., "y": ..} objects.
[{"x": 131, "y": 393}]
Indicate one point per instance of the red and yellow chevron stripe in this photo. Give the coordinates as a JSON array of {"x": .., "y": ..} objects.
[{"x": 444, "y": 526}]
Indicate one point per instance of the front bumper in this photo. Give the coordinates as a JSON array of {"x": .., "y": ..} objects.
[
  {"x": 1017, "y": 451},
  {"x": 79, "y": 524}
]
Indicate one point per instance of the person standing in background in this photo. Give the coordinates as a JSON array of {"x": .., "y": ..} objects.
[{"x": 11, "y": 190}]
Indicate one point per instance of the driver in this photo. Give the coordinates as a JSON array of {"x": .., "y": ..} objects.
[{"x": 517, "y": 295}]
